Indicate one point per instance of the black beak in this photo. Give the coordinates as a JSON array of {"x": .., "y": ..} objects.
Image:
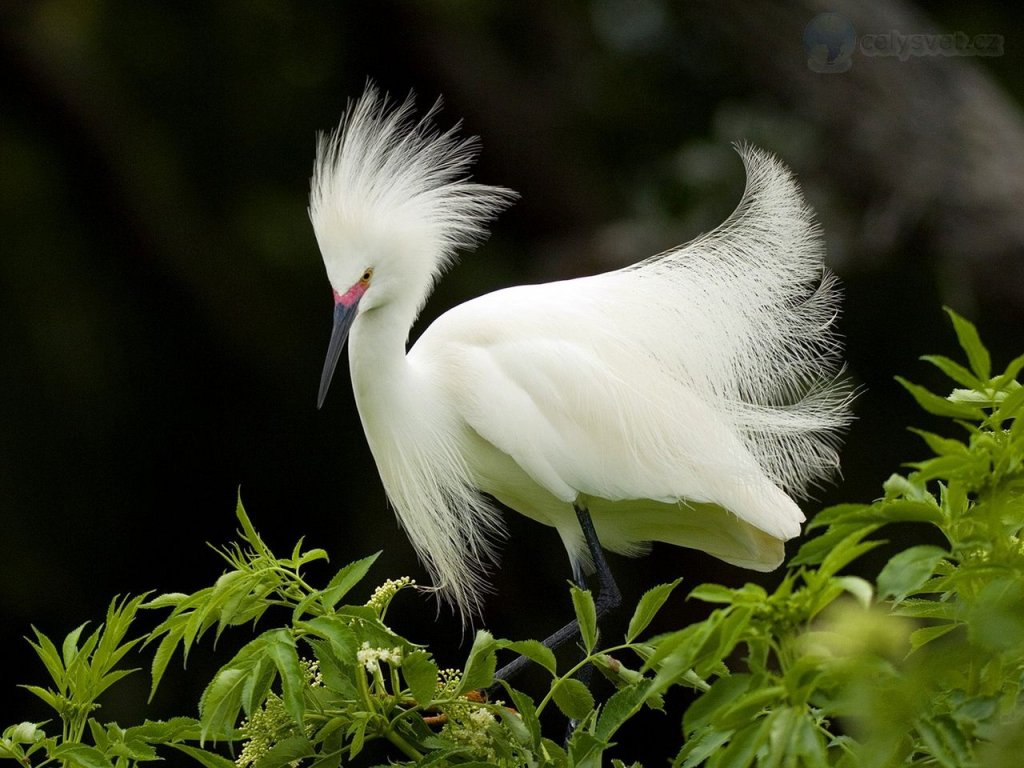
[{"x": 343, "y": 317}]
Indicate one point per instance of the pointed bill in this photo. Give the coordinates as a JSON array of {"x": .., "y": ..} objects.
[{"x": 344, "y": 314}]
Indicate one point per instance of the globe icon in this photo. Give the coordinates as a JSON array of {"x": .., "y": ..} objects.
[{"x": 829, "y": 41}]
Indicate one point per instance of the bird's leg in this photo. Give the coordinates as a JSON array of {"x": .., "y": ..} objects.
[{"x": 608, "y": 596}]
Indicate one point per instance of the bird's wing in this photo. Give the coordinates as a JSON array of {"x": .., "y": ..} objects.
[
  {"x": 583, "y": 411},
  {"x": 708, "y": 372}
]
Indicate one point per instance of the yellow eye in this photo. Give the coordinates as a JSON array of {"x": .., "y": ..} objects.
[{"x": 367, "y": 275}]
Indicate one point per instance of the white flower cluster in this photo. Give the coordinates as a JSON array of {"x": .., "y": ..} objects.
[
  {"x": 382, "y": 595},
  {"x": 473, "y": 730},
  {"x": 371, "y": 657}
]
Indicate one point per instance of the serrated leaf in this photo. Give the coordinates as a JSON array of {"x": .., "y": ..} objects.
[
  {"x": 80, "y": 755},
  {"x": 848, "y": 550},
  {"x": 573, "y": 698},
  {"x": 420, "y": 674},
  {"x": 534, "y": 650},
  {"x": 942, "y": 446},
  {"x": 700, "y": 746},
  {"x": 207, "y": 759},
  {"x": 944, "y": 741},
  {"x": 481, "y": 664},
  {"x": 162, "y": 657},
  {"x": 345, "y": 579},
  {"x": 925, "y": 635},
  {"x": 908, "y": 570},
  {"x": 1009, "y": 407},
  {"x": 712, "y": 593},
  {"x": 527, "y": 713},
  {"x": 970, "y": 342},
  {"x": 744, "y": 745},
  {"x": 280, "y": 648},
  {"x": 337, "y": 632},
  {"x": 955, "y": 371},
  {"x": 622, "y": 705},
  {"x": 648, "y": 607},
  {"x": 707, "y": 706},
  {"x": 69, "y": 649},
  {"x": 286, "y": 751},
  {"x": 54, "y": 701},
  {"x": 940, "y": 406},
  {"x": 586, "y": 616},
  {"x": 50, "y": 656},
  {"x": 221, "y": 701},
  {"x": 257, "y": 685},
  {"x": 1010, "y": 374},
  {"x": 166, "y": 731}
]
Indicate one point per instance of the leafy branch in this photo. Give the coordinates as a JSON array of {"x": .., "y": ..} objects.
[{"x": 919, "y": 664}]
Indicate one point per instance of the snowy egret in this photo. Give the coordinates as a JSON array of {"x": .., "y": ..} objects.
[{"x": 684, "y": 399}]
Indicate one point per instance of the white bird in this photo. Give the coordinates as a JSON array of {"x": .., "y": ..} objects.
[{"x": 683, "y": 399}]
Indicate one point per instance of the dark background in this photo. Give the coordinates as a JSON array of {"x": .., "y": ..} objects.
[{"x": 165, "y": 311}]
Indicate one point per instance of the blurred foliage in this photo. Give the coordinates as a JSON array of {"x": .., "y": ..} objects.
[{"x": 922, "y": 665}]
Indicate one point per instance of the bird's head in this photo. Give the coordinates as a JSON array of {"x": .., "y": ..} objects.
[{"x": 391, "y": 203}]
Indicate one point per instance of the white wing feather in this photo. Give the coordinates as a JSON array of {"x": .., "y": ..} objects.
[{"x": 707, "y": 374}]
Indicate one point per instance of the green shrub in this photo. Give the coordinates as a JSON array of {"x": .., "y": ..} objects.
[{"x": 921, "y": 665}]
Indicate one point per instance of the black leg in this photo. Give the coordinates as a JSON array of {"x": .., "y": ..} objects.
[{"x": 608, "y": 596}]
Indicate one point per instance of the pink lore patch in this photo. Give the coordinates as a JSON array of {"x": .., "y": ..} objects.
[{"x": 351, "y": 296}]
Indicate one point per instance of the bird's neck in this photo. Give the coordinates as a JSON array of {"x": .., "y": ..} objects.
[{"x": 383, "y": 382}]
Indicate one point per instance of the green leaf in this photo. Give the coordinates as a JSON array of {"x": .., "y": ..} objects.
[
  {"x": 80, "y": 755},
  {"x": 336, "y": 630},
  {"x": 1010, "y": 374},
  {"x": 940, "y": 406},
  {"x": 970, "y": 342},
  {"x": 908, "y": 570},
  {"x": 345, "y": 579},
  {"x": 163, "y": 655},
  {"x": 221, "y": 702},
  {"x": 944, "y": 741},
  {"x": 205, "y": 758},
  {"x": 586, "y": 615},
  {"x": 289, "y": 750},
  {"x": 53, "y": 700},
  {"x": 481, "y": 664},
  {"x": 744, "y": 744},
  {"x": 942, "y": 446},
  {"x": 50, "y": 656},
  {"x": 846, "y": 551},
  {"x": 420, "y": 674},
  {"x": 925, "y": 635},
  {"x": 1009, "y": 407},
  {"x": 69, "y": 649},
  {"x": 622, "y": 705},
  {"x": 527, "y": 712},
  {"x": 534, "y": 650},
  {"x": 648, "y": 607},
  {"x": 572, "y": 697},
  {"x": 279, "y": 646},
  {"x": 860, "y": 589},
  {"x": 712, "y": 593},
  {"x": 955, "y": 371},
  {"x": 703, "y": 711}
]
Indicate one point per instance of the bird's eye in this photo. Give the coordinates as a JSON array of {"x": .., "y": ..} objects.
[{"x": 367, "y": 275}]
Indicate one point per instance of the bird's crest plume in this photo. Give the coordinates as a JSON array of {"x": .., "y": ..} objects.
[{"x": 383, "y": 176}]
